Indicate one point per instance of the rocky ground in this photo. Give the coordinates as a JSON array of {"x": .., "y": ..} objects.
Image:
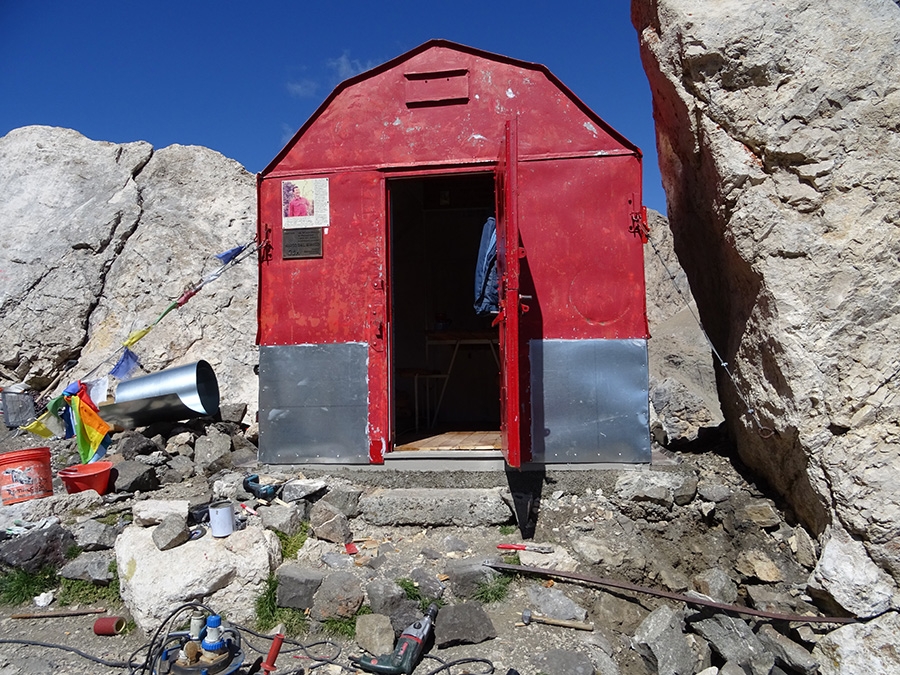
[{"x": 693, "y": 523}]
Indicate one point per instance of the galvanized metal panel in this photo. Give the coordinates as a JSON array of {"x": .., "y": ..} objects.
[
  {"x": 313, "y": 404},
  {"x": 590, "y": 401}
]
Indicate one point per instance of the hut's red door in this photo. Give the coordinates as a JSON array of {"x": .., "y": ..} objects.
[{"x": 508, "y": 254}]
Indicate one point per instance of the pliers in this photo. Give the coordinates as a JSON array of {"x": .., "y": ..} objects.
[{"x": 535, "y": 548}]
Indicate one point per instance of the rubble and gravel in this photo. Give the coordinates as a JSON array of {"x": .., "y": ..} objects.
[{"x": 692, "y": 523}]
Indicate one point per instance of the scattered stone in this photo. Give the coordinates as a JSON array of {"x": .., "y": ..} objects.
[
  {"x": 228, "y": 485},
  {"x": 182, "y": 444},
  {"x": 232, "y": 412},
  {"x": 182, "y": 466},
  {"x": 37, "y": 549},
  {"x": 761, "y": 513},
  {"x": 131, "y": 444},
  {"x": 131, "y": 476},
  {"x": 285, "y": 519},
  {"x": 451, "y": 544},
  {"x": 156, "y": 458},
  {"x": 297, "y": 586},
  {"x": 733, "y": 640},
  {"x": 427, "y": 583},
  {"x": 212, "y": 452},
  {"x": 716, "y": 584},
  {"x": 755, "y": 563},
  {"x": 329, "y": 524},
  {"x": 388, "y": 598},
  {"x": 463, "y": 624},
  {"x": 684, "y": 494},
  {"x": 172, "y": 531},
  {"x": 787, "y": 652},
  {"x": 846, "y": 574},
  {"x": 866, "y": 648},
  {"x": 714, "y": 492},
  {"x": 618, "y": 612},
  {"x": 772, "y": 599},
  {"x": 243, "y": 452},
  {"x": 93, "y": 566},
  {"x": 553, "y": 603},
  {"x": 152, "y": 511},
  {"x": 467, "y": 574},
  {"x": 661, "y": 642},
  {"x": 301, "y": 488},
  {"x": 93, "y": 535},
  {"x": 654, "y": 487},
  {"x": 375, "y": 634},
  {"x": 803, "y": 547},
  {"x": 339, "y": 596},
  {"x": 337, "y": 561},
  {"x": 345, "y": 499}
]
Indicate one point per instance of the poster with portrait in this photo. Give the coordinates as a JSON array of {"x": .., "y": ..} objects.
[{"x": 304, "y": 203}]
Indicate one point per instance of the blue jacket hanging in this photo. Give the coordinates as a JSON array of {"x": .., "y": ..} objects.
[{"x": 487, "y": 300}]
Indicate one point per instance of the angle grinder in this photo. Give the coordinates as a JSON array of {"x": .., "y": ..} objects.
[{"x": 406, "y": 655}]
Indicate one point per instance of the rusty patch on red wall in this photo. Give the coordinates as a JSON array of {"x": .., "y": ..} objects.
[{"x": 445, "y": 87}]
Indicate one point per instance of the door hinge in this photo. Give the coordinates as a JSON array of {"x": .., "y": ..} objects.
[{"x": 639, "y": 225}]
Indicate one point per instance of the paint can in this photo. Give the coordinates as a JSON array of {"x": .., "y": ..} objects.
[{"x": 221, "y": 518}]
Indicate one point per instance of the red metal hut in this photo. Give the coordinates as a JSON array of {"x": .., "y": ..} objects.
[{"x": 374, "y": 216}]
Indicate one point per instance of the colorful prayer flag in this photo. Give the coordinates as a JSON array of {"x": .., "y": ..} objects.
[
  {"x": 126, "y": 365},
  {"x": 231, "y": 254},
  {"x": 84, "y": 421},
  {"x": 47, "y": 425}
]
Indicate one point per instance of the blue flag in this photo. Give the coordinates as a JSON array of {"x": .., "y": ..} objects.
[
  {"x": 230, "y": 254},
  {"x": 126, "y": 365}
]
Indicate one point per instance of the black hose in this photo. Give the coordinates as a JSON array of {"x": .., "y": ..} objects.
[{"x": 50, "y": 645}]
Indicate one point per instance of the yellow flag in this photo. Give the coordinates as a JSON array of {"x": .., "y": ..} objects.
[
  {"x": 136, "y": 335},
  {"x": 46, "y": 426}
]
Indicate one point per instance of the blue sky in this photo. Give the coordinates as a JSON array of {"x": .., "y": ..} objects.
[{"x": 242, "y": 77}]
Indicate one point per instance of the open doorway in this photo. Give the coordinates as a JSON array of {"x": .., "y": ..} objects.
[{"x": 445, "y": 365}]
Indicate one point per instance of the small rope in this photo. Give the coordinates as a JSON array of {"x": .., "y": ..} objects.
[{"x": 763, "y": 431}]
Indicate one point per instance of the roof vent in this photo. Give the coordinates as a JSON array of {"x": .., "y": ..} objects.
[{"x": 443, "y": 87}]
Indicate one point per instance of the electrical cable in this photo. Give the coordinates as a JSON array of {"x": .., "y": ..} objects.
[
  {"x": 447, "y": 665},
  {"x": 50, "y": 645}
]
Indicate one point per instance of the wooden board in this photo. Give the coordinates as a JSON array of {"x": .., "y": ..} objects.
[{"x": 455, "y": 440}]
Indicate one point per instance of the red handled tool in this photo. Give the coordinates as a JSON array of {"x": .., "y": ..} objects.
[{"x": 535, "y": 548}]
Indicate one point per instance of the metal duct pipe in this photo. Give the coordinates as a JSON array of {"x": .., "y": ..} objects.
[{"x": 170, "y": 395}]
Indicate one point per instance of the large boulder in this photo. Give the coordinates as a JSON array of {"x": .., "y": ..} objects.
[
  {"x": 781, "y": 164},
  {"x": 101, "y": 237},
  {"x": 228, "y": 574}
]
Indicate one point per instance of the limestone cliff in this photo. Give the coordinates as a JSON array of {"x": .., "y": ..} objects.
[
  {"x": 777, "y": 130},
  {"x": 99, "y": 238}
]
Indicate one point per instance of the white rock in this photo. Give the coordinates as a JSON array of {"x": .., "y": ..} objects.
[
  {"x": 228, "y": 574},
  {"x": 861, "y": 649},
  {"x": 152, "y": 511},
  {"x": 846, "y": 573}
]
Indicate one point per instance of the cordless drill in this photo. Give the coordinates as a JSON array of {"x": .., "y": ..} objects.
[{"x": 406, "y": 654}]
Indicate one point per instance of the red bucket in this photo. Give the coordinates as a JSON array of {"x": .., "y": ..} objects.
[
  {"x": 25, "y": 474},
  {"x": 81, "y": 477}
]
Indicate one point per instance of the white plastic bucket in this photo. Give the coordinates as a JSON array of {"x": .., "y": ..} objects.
[{"x": 221, "y": 518}]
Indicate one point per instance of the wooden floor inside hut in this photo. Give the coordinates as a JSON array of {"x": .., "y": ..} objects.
[{"x": 449, "y": 440}]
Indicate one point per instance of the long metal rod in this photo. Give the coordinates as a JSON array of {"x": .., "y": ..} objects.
[
  {"x": 624, "y": 585},
  {"x": 58, "y": 614}
]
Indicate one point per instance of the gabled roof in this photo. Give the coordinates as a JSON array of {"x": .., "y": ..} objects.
[{"x": 446, "y": 49}]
